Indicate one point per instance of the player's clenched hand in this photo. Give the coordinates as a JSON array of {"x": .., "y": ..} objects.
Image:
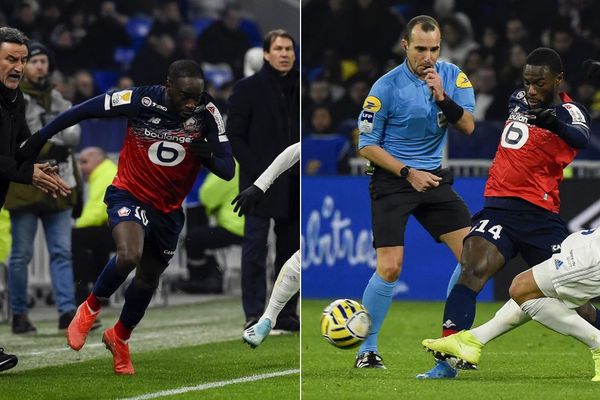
[
  {"x": 544, "y": 118},
  {"x": 422, "y": 180},
  {"x": 202, "y": 150},
  {"x": 247, "y": 200},
  {"x": 46, "y": 179},
  {"x": 434, "y": 82}
]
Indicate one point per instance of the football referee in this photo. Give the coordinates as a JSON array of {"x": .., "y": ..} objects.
[{"x": 403, "y": 127}]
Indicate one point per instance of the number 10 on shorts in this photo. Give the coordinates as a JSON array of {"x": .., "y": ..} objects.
[
  {"x": 140, "y": 214},
  {"x": 482, "y": 225}
]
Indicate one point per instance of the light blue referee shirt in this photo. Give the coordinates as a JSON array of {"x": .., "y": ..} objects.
[{"x": 401, "y": 116}]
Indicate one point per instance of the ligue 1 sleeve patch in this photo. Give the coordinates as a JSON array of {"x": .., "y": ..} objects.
[
  {"x": 214, "y": 111},
  {"x": 577, "y": 117},
  {"x": 124, "y": 212},
  {"x": 372, "y": 104},
  {"x": 121, "y": 98},
  {"x": 365, "y": 122},
  {"x": 462, "y": 81}
]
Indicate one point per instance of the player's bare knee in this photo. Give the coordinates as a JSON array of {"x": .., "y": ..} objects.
[
  {"x": 128, "y": 258},
  {"x": 518, "y": 290},
  {"x": 474, "y": 275}
]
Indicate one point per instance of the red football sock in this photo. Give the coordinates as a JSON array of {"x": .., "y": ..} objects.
[
  {"x": 93, "y": 302},
  {"x": 122, "y": 331}
]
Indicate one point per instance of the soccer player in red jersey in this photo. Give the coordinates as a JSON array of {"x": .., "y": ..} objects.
[
  {"x": 172, "y": 131},
  {"x": 544, "y": 131}
]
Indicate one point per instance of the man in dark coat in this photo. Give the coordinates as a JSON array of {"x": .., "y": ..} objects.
[
  {"x": 13, "y": 130},
  {"x": 264, "y": 115}
]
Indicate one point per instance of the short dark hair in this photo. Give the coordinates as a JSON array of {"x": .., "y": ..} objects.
[
  {"x": 184, "y": 69},
  {"x": 274, "y": 34},
  {"x": 544, "y": 56},
  {"x": 12, "y": 35},
  {"x": 427, "y": 23}
]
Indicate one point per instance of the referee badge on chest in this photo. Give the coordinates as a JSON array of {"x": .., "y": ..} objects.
[{"x": 441, "y": 120}]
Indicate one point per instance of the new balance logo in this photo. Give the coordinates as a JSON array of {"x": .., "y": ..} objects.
[{"x": 448, "y": 324}]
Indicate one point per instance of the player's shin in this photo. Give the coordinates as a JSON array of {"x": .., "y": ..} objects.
[
  {"x": 286, "y": 285},
  {"x": 554, "y": 314},
  {"x": 377, "y": 299},
  {"x": 459, "y": 312},
  {"x": 507, "y": 318},
  {"x": 109, "y": 280},
  {"x": 137, "y": 299}
]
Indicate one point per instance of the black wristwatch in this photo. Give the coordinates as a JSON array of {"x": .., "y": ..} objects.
[{"x": 404, "y": 171}]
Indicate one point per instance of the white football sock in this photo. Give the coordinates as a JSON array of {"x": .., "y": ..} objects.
[
  {"x": 286, "y": 285},
  {"x": 555, "y": 315},
  {"x": 506, "y": 319}
]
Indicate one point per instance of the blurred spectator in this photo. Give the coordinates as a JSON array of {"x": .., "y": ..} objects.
[
  {"x": 331, "y": 26},
  {"x": 347, "y": 109},
  {"x": 50, "y": 17},
  {"x": 321, "y": 121},
  {"x": 186, "y": 43},
  {"x": 91, "y": 237},
  {"x": 511, "y": 75},
  {"x": 473, "y": 61},
  {"x": 224, "y": 41},
  {"x": 167, "y": 19},
  {"x": 124, "y": 82},
  {"x": 24, "y": 18},
  {"x": 571, "y": 49},
  {"x": 516, "y": 33},
  {"x": 105, "y": 33},
  {"x": 458, "y": 41},
  {"x": 68, "y": 52},
  {"x": 490, "y": 102},
  {"x": 374, "y": 17},
  {"x": 84, "y": 86},
  {"x": 490, "y": 47},
  {"x": 158, "y": 53}
]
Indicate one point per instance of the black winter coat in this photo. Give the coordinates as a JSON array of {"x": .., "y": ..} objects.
[
  {"x": 262, "y": 121},
  {"x": 13, "y": 131}
]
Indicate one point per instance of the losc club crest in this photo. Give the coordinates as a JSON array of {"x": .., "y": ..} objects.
[
  {"x": 123, "y": 211},
  {"x": 190, "y": 124}
]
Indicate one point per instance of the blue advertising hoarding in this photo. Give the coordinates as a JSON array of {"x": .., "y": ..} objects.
[{"x": 338, "y": 258}]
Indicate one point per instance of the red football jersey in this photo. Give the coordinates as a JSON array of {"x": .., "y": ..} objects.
[
  {"x": 155, "y": 164},
  {"x": 530, "y": 160}
]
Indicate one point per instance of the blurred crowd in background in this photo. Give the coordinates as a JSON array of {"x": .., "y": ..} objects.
[
  {"x": 347, "y": 45},
  {"x": 97, "y": 44}
]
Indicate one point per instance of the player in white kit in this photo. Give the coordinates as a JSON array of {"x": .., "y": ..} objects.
[
  {"x": 288, "y": 280},
  {"x": 548, "y": 293}
]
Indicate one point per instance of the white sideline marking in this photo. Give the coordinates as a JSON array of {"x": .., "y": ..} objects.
[{"x": 211, "y": 385}]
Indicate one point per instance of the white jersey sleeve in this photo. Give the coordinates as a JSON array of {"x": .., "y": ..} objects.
[{"x": 285, "y": 160}]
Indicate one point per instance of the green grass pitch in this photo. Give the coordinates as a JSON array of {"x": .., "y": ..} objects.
[
  {"x": 530, "y": 362},
  {"x": 174, "y": 347}
]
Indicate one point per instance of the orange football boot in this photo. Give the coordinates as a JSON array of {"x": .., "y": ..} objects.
[
  {"x": 80, "y": 326},
  {"x": 120, "y": 352}
]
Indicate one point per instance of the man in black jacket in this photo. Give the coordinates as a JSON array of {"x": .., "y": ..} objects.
[
  {"x": 13, "y": 130},
  {"x": 264, "y": 115}
]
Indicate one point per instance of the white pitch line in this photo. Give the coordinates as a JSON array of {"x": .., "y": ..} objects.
[{"x": 204, "y": 386}]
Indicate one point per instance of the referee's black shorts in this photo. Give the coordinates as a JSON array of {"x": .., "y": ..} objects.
[{"x": 439, "y": 210}]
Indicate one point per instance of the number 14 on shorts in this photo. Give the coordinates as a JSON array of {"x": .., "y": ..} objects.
[{"x": 481, "y": 226}]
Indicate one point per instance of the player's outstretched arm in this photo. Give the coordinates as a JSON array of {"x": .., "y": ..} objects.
[{"x": 92, "y": 108}]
